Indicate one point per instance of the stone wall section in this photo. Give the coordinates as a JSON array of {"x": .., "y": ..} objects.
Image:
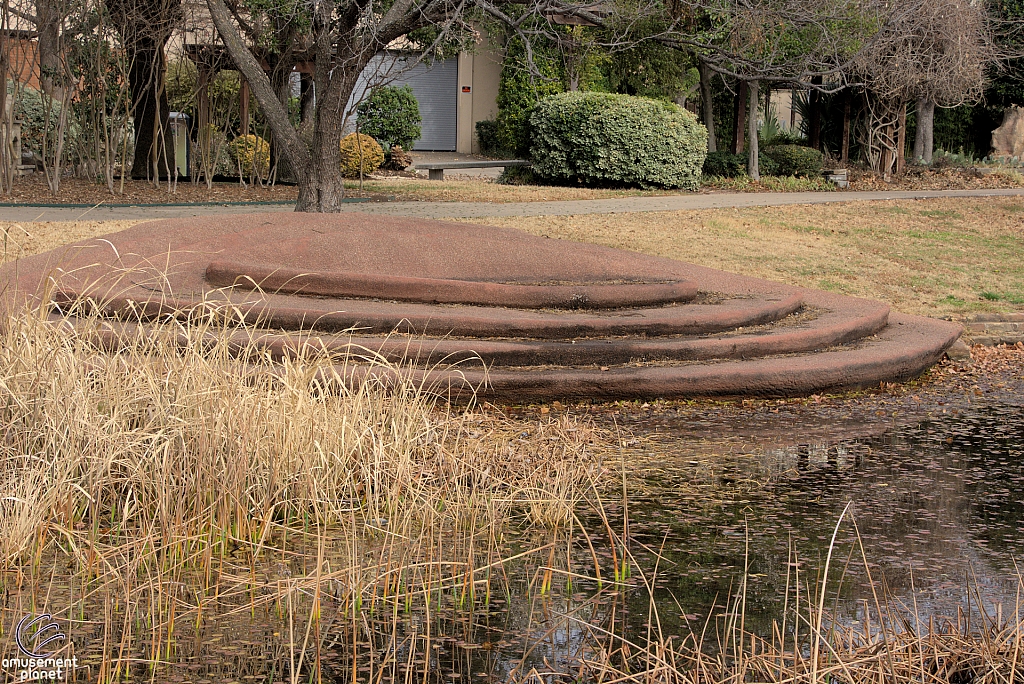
[{"x": 992, "y": 329}]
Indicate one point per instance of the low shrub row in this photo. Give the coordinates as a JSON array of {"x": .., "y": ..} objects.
[
  {"x": 359, "y": 152},
  {"x": 772, "y": 160}
]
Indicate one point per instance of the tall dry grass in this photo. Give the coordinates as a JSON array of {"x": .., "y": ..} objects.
[
  {"x": 174, "y": 436},
  {"x": 150, "y": 485}
]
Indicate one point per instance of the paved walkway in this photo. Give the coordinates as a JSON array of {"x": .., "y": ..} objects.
[{"x": 472, "y": 210}]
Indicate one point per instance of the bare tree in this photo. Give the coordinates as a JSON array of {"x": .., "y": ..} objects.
[
  {"x": 803, "y": 43},
  {"x": 145, "y": 27},
  {"x": 932, "y": 52},
  {"x": 344, "y": 35}
]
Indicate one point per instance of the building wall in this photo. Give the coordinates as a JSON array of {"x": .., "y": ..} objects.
[
  {"x": 782, "y": 103},
  {"x": 481, "y": 72},
  {"x": 24, "y": 61}
]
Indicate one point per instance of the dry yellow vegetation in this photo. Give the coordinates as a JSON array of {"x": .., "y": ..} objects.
[{"x": 935, "y": 257}]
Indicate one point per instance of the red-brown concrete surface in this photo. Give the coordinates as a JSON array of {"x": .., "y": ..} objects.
[{"x": 527, "y": 318}]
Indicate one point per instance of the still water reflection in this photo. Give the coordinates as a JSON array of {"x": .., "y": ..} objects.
[{"x": 938, "y": 501}]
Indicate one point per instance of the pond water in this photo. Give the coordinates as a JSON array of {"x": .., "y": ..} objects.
[
  {"x": 938, "y": 500},
  {"x": 932, "y": 475}
]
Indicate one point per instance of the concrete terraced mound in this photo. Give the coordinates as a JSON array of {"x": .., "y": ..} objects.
[{"x": 511, "y": 316}]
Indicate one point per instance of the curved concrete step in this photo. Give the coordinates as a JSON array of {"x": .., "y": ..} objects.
[
  {"x": 346, "y": 285},
  {"x": 825, "y": 330},
  {"x": 739, "y": 336},
  {"x": 290, "y": 312},
  {"x": 905, "y": 349}
]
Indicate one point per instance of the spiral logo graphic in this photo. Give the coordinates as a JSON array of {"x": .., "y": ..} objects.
[{"x": 34, "y": 633}]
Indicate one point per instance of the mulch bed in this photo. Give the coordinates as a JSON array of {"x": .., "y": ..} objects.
[
  {"x": 922, "y": 178},
  {"x": 33, "y": 190}
]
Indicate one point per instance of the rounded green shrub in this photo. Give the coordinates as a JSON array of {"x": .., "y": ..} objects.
[
  {"x": 606, "y": 139},
  {"x": 725, "y": 164},
  {"x": 794, "y": 160},
  {"x": 391, "y": 116}
]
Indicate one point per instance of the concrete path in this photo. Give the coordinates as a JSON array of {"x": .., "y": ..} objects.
[{"x": 472, "y": 210}]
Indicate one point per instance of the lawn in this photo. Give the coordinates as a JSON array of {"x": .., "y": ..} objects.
[{"x": 935, "y": 257}]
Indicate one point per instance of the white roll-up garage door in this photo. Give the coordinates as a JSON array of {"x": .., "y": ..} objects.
[{"x": 435, "y": 87}]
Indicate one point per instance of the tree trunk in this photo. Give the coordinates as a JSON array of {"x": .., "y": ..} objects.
[
  {"x": 901, "y": 140},
  {"x": 814, "y": 115},
  {"x": 924, "y": 138},
  {"x": 741, "y": 111},
  {"x": 752, "y": 162},
  {"x": 290, "y": 145},
  {"x": 281, "y": 79},
  {"x": 847, "y": 104},
  {"x": 324, "y": 188},
  {"x": 150, "y": 109},
  {"x": 707, "y": 104},
  {"x": 306, "y": 100},
  {"x": 48, "y": 19}
]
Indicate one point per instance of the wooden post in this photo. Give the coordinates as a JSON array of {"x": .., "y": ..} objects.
[
  {"x": 845, "y": 155},
  {"x": 886, "y": 157},
  {"x": 203, "y": 98},
  {"x": 814, "y": 107}
]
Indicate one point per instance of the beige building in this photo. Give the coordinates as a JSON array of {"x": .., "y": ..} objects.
[{"x": 453, "y": 94}]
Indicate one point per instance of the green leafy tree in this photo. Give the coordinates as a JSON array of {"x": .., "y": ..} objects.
[{"x": 519, "y": 90}]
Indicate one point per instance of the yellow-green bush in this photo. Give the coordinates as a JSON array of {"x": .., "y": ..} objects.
[
  {"x": 372, "y": 155},
  {"x": 252, "y": 153}
]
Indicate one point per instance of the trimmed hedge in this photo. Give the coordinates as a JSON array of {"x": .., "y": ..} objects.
[
  {"x": 795, "y": 160},
  {"x": 606, "y": 139}
]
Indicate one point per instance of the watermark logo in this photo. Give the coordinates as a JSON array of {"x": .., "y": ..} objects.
[
  {"x": 38, "y": 638},
  {"x": 34, "y": 634}
]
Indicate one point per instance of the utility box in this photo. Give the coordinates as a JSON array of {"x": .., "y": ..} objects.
[{"x": 179, "y": 124}]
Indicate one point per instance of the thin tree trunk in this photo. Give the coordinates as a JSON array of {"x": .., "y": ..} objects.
[
  {"x": 752, "y": 162},
  {"x": 924, "y": 137},
  {"x": 707, "y": 104},
  {"x": 741, "y": 112},
  {"x": 847, "y": 104},
  {"x": 814, "y": 115},
  {"x": 901, "y": 141}
]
